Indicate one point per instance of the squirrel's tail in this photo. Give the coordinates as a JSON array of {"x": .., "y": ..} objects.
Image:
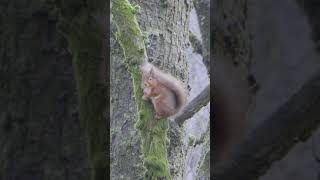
[{"x": 175, "y": 85}]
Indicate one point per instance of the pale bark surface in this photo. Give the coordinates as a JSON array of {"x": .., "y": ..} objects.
[{"x": 196, "y": 126}]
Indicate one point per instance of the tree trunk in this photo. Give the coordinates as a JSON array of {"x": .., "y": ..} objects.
[
  {"x": 232, "y": 54},
  {"x": 165, "y": 25},
  {"x": 40, "y": 135},
  {"x": 126, "y": 155},
  {"x": 84, "y": 25},
  {"x": 203, "y": 10}
]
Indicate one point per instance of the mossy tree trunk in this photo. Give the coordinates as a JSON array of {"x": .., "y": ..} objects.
[
  {"x": 40, "y": 131},
  {"x": 164, "y": 25},
  {"x": 84, "y": 25}
]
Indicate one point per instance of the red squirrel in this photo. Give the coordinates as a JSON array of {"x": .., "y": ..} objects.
[{"x": 167, "y": 94}]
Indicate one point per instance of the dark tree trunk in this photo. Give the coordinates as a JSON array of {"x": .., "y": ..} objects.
[
  {"x": 286, "y": 67},
  {"x": 40, "y": 135},
  {"x": 232, "y": 56}
]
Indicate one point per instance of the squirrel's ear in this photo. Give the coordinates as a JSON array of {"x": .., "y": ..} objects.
[{"x": 151, "y": 72}]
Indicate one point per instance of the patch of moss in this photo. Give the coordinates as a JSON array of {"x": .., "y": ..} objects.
[
  {"x": 191, "y": 141},
  {"x": 196, "y": 43},
  {"x": 157, "y": 165}
]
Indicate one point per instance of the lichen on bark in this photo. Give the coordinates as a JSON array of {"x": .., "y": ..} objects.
[{"x": 154, "y": 140}]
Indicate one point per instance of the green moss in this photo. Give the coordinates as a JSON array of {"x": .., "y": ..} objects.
[
  {"x": 149, "y": 35},
  {"x": 128, "y": 35},
  {"x": 153, "y": 132},
  {"x": 136, "y": 9},
  {"x": 191, "y": 141},
  {"x": 196, "y": 43},
  {"x": 157, "y": 165}
]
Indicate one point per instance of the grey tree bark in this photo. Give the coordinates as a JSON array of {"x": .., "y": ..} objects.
[
  {"x": 40, "y": 134},
  {"x": 203, "y": 10},
  {"x": 165, "y": 23},
  {"x": 126, "y": 155}
]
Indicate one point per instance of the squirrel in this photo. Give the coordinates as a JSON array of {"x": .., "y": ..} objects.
[{"x": 167, "y": 94}]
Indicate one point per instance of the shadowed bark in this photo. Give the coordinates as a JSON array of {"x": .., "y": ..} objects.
[
  {"x": 293, "y": 122},
  {"x": 40, "y": 130},
  {"x": 231, "y": 68},
  {"x": 274, "y": 137},
  {"x": 84, "y": 26}
]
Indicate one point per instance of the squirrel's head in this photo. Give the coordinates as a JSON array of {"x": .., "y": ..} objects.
[{"x": 151, "y": 78}]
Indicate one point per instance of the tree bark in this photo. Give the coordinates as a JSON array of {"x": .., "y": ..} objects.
[
  {"x": 84, "y": 26},
  {"x": 40, "y": 135},
  {"x": 203, "y": 11},
  {"x": 231, "y": 68},
  {"x": 126, "y": 154},
  {"x": 293, "y": 122},
  {"x": 165, "y": 49}
]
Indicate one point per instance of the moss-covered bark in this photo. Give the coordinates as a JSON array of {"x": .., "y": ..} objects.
[
  {"x": 154, "y": 140},
  {"x": 84, "y": 26},
  {"x": 126, "y": 154},
  {"x": 165, "y": 44},
  {"x": 166, "y": 24}
]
